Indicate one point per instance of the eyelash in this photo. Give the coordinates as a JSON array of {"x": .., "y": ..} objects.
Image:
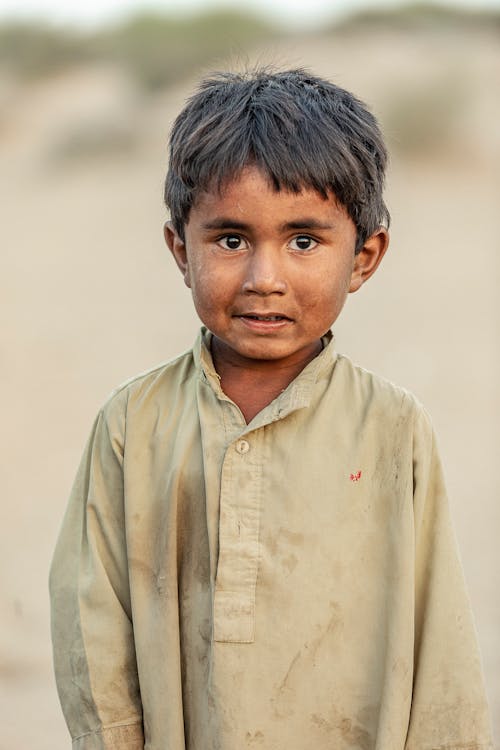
[
  {"x": 305, "y": 237},
  {"x": 226, "y": 237}
]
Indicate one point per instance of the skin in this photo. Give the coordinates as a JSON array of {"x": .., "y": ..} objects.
[{"x": 251, "y": 250}]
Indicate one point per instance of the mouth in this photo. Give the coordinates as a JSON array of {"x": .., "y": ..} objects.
[
  {"x": 262, "y": 322},
  {"x": 271, "y": 317}
]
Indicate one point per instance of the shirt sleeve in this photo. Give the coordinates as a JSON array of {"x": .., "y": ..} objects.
[
  {"x": 449, "y": 708},
  {"x": 92, "y": 632}
]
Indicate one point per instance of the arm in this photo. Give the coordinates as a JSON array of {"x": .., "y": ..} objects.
[
  {"x": 92, "y": 632},
  {"x": 449, "y": 708}
]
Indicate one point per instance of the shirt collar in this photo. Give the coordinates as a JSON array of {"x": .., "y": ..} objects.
[{"x": 296, "y": 396}]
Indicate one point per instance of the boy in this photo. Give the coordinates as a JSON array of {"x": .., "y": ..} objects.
[{"x": 257, "y": 552}]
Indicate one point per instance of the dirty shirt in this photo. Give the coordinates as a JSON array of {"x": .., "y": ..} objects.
[{"x": 286, "y": 584}]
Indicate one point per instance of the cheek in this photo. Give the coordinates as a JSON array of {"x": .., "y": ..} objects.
[
  {"x": 209, "y": 290},
  {"x": 324, "y": 297},
  {"x": 325, "y": 291}
]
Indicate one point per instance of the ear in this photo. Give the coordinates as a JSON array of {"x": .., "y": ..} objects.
[
  {"x": 177, "y": 247},
  {"x": 368, "y": 259}
]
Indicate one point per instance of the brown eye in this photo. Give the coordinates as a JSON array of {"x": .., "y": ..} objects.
[
  {"x": 303, "y": 242},
  {"x": 231, "y": 242}
]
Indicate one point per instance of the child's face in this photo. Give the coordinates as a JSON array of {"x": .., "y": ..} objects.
[{"x": 270, "y": 271}]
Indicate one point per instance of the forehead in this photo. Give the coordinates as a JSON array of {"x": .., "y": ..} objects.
[{"x": 251, "y": 195}]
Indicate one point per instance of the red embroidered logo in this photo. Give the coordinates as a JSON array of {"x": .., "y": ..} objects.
[{"x": 355, "y": 477}]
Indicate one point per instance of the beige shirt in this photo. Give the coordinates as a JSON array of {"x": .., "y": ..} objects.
[{"x": 290, "y": 584}]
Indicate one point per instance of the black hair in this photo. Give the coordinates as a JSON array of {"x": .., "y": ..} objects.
[{"x": 301, "y": 130}]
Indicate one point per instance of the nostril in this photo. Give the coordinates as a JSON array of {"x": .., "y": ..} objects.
[
  {"x": 263, "y": 292},
  {"x": 264, "y": 286}
]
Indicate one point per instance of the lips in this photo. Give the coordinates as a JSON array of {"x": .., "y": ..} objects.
[
  {"x": 265, "y": 323},
  {"x": 271, "y": 317}
]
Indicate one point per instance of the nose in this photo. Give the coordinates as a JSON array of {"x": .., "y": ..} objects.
[{"x": 265, "y": 273}]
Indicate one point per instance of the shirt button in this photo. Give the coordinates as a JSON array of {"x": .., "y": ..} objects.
[{"x": 242, "y": 446}]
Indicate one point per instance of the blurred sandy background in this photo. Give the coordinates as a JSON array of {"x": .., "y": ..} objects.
[{"x": 89, "y": 296}]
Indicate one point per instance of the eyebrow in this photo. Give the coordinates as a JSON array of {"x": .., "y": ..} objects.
[
  {"x": 225, "y": 223},
  {"x": 302, "y": 223},
  {"x": 306, "y": 223}
]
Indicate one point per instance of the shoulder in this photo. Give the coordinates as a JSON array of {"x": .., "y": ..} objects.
[
  {"x": 150, "y": 390},
  {"x": 365, "y": 385},
  {"x": 380, "y": 399}
]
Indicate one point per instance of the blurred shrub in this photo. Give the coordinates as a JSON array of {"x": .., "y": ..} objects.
[
  {"x": 156, "y": 49},
  {"x": 422, "y": 15},
  {"x": 32, "y": 50},
  {"x": 160, "y": 50}
]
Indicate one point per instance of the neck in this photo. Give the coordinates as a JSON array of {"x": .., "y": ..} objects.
[{"x": 253, "y": 384}]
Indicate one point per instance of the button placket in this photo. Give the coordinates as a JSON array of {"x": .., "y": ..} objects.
[{"x": 238, "y": 561}]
